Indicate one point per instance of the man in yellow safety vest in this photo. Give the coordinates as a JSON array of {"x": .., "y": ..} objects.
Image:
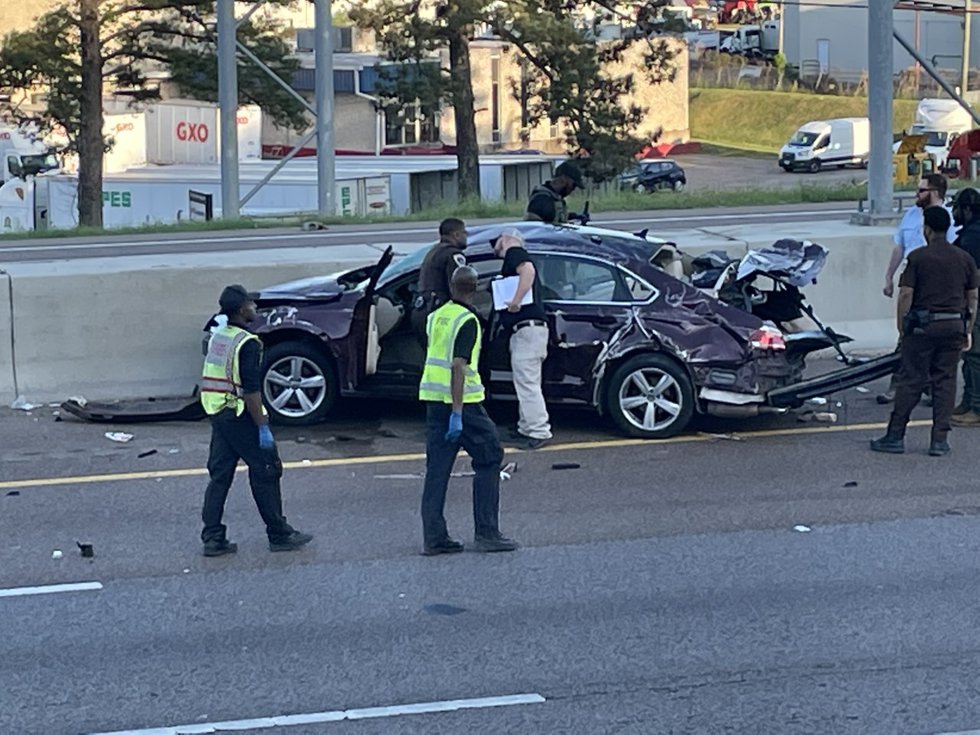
[
  {"x": 231, "y": 396},
  {"x": 453, "y": 394}
]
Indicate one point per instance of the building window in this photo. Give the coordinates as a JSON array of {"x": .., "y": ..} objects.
[{"x": 411, "y": 124}]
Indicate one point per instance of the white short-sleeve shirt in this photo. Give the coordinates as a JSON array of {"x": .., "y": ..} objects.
[{"x": 909, "y": 235}]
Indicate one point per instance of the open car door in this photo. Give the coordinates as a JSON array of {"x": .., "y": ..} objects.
[{"x": 364, "y": 337}]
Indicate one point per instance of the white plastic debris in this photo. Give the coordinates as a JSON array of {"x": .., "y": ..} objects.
[
  {"x": 118, "y": 436},
  {"x": 22, "y": 404},
  {"x": 802, "y": 529},
  {"x": 56, "y": 554},
  {"x": 80, "y": 400},
  {"x": 818, "y": 401},
  {"x": 173, "y": 451},
  {"x": 825, "y": 417},
  {"x": 862, "y": 389},
  {"x": 307, "y": 462}
]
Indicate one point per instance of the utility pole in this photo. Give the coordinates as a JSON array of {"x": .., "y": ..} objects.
[
  {"x": 965, "y": 71},
  {"x": 881, "y": 190},
  {"x": 228, "y": 104},
  {"x": 323, "y": 48}
]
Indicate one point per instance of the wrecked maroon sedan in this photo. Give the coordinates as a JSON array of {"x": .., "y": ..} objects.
[{"x": 647, "y": 348}]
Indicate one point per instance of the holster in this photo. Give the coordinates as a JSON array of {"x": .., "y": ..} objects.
[{"x": 916, "y": 321}]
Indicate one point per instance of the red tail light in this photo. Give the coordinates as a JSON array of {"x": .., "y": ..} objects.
[{"x": 767, "y": 338}]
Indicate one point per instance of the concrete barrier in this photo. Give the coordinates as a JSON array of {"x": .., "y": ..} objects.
[
  {"x": 8, "y": 390},
  {"x": 130, "y": 327}
]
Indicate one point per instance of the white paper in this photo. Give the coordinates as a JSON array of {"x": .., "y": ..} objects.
[{"x": 504, "y": 290}]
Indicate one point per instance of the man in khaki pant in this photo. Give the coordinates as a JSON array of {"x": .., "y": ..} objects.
[{"x": 528, "y": 339}]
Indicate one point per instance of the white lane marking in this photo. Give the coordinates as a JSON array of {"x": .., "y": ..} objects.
[
  {"x": 54, "y": 246},
  {"x": 419, "y": 708},
  {"x": 50, "y": 589}
]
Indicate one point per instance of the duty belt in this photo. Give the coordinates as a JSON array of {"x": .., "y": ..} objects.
[
  {"x": 944, "y": 316},
  {"x": 530, "y": 323}
]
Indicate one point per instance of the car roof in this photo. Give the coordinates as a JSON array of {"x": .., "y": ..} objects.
[{"x": 616, "y": 245}]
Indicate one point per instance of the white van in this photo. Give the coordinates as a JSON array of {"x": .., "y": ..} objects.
[{"x": 845, "y": 141}]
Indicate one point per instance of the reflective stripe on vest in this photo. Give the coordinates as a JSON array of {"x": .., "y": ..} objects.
[
  {"x": 442, "y": 328},
  {"x": 221, "y": 385}
]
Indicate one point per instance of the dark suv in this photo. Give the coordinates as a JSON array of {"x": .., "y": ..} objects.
[{"x": 653, "y": 174}]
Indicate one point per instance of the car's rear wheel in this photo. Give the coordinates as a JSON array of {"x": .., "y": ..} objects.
[
  {"x": 640, "y": 188},
  {"x": 678, "y": 185},
  {"x": 650, "y": 396},
  {"x": 299, "y": 383}
]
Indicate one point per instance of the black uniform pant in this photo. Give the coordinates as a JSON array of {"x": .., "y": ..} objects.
[
  {"x": 479, "y": 439},
  {"x": 928, "y": 359},
  {"x": 234, "y": 438}
]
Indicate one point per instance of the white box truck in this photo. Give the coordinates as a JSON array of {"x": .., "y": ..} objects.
[
  {"x": 844, "y": 141},
  {"x": 942, "y": 121},
  {"x": 22, "y": 155}
]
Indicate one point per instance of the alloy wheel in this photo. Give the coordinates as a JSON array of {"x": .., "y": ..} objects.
[
  {"x": 650, "y": 399},
  {"x": 295, "y": 386}
]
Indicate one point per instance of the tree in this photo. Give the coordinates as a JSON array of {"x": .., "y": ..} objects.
[
  {"x": 570, "y": 76},
  {"x": 79, "y": 49}
]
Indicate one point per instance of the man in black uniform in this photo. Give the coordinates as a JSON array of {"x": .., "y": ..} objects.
[
  {"x": 437, "y": 270},
  {"x": 547, "y": 202},
  {"x": 231, "y": 396},
  {"x": 966, "y": 214},
  {"x": 936, "y": 309}
]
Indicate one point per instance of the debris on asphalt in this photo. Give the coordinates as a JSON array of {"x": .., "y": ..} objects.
[
  {"x": 312, "y": 226},
  {"x": 387, "y": 434},
  {"x": 173, "y": 451},
  {"x": 819, "y": 417},
  {"x": 187, "y": 571},
  {"x": 87, "y": 550},
  {"x": 56, "y": 554},
  {"x": 147, "y": 453},
  {"x": 463, "y": 473},
  {"x": 726, "y": 437},
  {"x": 818, "y": 401},
  {"x": 22, "y": 404},
  {"x": 307, "y": 462},
  {"x": 410, "y": 476},
  {"x": 566, "y": 466},
  {"x": 862, "y": 389},
  {"x": 802, "y": 529},
  {"x": 118, "y": 436},
  {"x": 80, "y": 400},
  {"x": 13, "y": 493},
  {"x": 508, "y": 470},
  {"x": 850, "y": 483}
]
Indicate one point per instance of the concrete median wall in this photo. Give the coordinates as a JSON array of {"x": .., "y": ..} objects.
[{"x": 131, "y": 327}]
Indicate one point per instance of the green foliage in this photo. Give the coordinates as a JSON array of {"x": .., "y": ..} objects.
[
  {"x": 570, "y": 78},
  {"x": 138, "y": 38}
]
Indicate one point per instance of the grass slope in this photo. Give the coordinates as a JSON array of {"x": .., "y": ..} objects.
[{"x": 764, "y": 121}]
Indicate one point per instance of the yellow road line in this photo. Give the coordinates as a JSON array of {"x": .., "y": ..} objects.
[{"x": 415, "y": 456}]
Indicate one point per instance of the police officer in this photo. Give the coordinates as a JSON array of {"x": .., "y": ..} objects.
[
  {"x": 931, "y": 192},
  {"x": 455, "y": 417},
  {"x": 231, "y": 396},
  {"x": 547, "y": 202},
  {"x": 966, "y": 214},
  {"x": 937, "y": 308},
  {"x": 437, "y": 268}
]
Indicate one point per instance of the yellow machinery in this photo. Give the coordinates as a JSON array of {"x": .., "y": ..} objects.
[{"x": 911, "y": 162}]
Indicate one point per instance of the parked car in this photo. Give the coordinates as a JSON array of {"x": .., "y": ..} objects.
[
  {"x": 652, "y": 174},
  {"x": 627, "y": 339}
]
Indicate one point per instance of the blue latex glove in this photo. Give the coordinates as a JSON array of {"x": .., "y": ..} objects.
[
  {"x": 266, "y": 440},
  {"x": 455, "y": 427}
]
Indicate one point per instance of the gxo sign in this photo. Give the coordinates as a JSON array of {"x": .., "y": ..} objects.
[{"x": 192, "y": 132}]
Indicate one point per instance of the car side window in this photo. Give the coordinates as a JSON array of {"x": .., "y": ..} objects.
[
  {"x": 574, "y": 279},
  {"x": 639, "y": 290}
]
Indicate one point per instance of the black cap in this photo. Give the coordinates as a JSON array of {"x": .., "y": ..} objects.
[
  {"x": 569, "y": 169},
  {"x": 234, "y": 298}
]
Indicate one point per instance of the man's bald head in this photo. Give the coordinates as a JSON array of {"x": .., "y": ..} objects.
[{"x": 463, "y": 283}]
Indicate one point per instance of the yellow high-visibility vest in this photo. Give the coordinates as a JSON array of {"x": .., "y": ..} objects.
[
  {"x": 221, "y": 382},
  {"x": 441, "y": 328}
]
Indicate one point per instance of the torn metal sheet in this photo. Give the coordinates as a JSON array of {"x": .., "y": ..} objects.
[{"x": 143, "y": 410}]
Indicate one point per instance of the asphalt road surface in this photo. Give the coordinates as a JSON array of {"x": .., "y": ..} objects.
[
  {"x": 657, "y": 221},
  {"x": 764, "y": 576}
]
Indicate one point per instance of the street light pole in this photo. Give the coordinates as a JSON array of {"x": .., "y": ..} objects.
[
  {"x": 881, "y": 24},
  {"x": 965, "y": 71},
  {"x": 323, "y": 48},
  {"x": 228, "y": 104}
]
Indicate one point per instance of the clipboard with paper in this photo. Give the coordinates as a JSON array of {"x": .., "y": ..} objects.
[{"x": 504, "y": 289}]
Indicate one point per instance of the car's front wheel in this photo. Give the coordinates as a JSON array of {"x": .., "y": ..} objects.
[
  {"x": 678, "y": 185},
  {"x": 640, "y": 188},
  {"x": 650, "y": 396},
  {"x": 299, "y": 383}
]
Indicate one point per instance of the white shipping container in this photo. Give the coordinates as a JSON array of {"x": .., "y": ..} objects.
[
  {"x": 377, "y": 196},
  {"x": 249, "y": 133},
  {"x": 181, "y": 134},
  {"x": 127, "y": 133}
]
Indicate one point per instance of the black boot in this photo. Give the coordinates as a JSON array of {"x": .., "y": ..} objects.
[
  {"x": 889, "y": 444},
  {"x": 938, "y": 448},
  {"x": 219, "y": 547}
]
